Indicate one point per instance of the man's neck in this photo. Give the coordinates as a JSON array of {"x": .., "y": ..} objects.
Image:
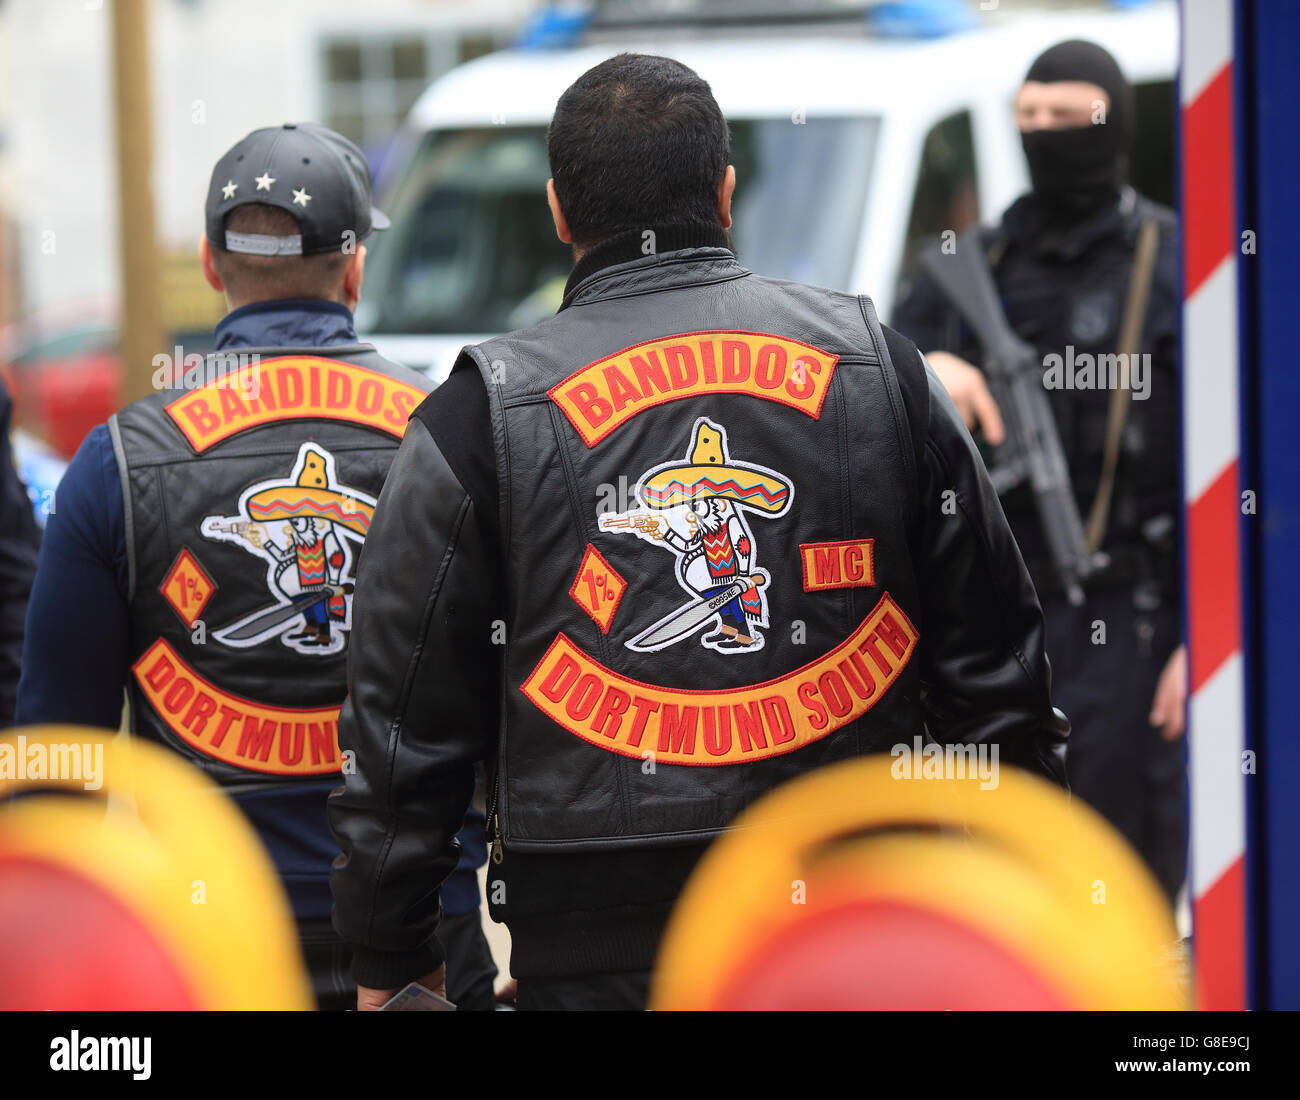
[
  {"x": 287, "y": 322},
  {"x": 635, "y": 244},
  {"x": 233, "y": 304}
]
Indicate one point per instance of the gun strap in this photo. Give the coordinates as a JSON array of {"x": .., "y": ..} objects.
[
  {"x": 1130, "y": 338},
  {"x": 993, "y": 254}
]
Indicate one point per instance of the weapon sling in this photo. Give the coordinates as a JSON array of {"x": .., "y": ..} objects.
[{"x": 1130, "y": 337}]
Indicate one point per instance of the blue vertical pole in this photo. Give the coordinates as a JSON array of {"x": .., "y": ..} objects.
[{"x": 1268, "y": 180}]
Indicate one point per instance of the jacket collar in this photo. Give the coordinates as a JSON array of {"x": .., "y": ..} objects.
[
  {"x": 1026, "y": 224},
  {"x": 631, "y": 246},
  {"x": 287, "y": 323}
]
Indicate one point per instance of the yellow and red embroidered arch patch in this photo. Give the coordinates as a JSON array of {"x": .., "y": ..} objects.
[
  {"x": 237, "y": 731},
  {"x": 292, "y": 388},
  {"x": 730, "y": 726},
  {"x": 606, "y": 394}
]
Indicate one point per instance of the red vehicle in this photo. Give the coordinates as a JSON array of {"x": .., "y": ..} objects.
[{"x": 64, "y": 372}]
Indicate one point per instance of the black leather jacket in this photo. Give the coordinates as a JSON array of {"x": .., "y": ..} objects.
[{"x": 917, "y": 615}]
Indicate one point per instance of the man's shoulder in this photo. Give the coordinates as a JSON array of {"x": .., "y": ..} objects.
[
  {"x": 808, "y": 295},
  {"x": 526, "y": 360},
  {"x": 1148, "y": 209},
  {"x": 88, "y": 496},
  {"x": 234, "y": 378},
  {"x": 463, "y": 388},
  {"x": 502, "y": 347},
  {"x": 913, "y": 384},
  {"x": 1168, "y": 267},
  {"x": 905, "y": 354},
  {"x": 457, "y": 418},
  {"x": 456, "y": 414},
  {"x": 94, "y": 454},
  {"x": 901, "y": 350},
  {"x": 400, "y": 371},
  {"x": 361, "y": 354}
]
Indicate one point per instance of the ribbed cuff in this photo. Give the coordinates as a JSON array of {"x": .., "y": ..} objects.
[{"x": 392, "y": 969}]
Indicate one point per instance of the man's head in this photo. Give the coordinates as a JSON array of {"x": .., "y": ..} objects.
[
  {"x": 1075, "y": 113},
  {"x": 636, "y": 141},
  {"x": 287, "y": 210},
  {"x": 246, "y": 277}
]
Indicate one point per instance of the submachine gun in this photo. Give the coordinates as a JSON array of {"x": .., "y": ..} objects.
[{"x": 1032, "y": 451}]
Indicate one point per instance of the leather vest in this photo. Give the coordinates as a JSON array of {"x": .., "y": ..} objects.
[
  {"x": 249, "y": 490},
  {"x": 707, "y": 480}
]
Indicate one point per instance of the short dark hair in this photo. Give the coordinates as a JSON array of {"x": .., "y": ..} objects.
[
  {"x": 637, "y": 139},
  {"x": 262, "y": 278}
]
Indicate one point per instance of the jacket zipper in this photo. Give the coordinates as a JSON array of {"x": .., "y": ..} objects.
[
  {"x": 494, "y": 820},
  {"x": 498, "y": 853}
]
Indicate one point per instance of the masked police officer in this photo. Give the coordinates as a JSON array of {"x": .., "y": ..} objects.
[
  {"x": 777, "y": 585},
  {"x": 203, "y": 549},
  {"x": 1079, "y": 261}
]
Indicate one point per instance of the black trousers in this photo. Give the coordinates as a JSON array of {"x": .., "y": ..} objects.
[
  {"x": 624, "y": 992},
  {"x": 471, "y": 973},
  {"x": 1116, "y": 761}
]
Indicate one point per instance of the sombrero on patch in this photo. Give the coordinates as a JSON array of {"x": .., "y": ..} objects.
[
  {"x": 712, "y": 474},
  {"x": 312, "y": 497}
]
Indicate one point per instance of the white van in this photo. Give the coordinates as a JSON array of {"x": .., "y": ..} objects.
[{"x": 850, "y": 149}]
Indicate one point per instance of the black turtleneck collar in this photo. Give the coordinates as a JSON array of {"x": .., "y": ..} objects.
[
  {"x": 624, "y": 247},
  {"x": 1044, "y": 231}
]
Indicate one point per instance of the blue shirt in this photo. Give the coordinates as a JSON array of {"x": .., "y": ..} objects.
[{"x": 77, "y": 647}]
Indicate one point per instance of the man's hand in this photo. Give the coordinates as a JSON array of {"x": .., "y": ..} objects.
[
  {"x": 1168, "y": 708},
  {"x": 970, "y": 393},
  {"x": 372, "y": 1000}
]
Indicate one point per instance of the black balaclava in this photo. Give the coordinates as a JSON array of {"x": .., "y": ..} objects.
[{"x": 1079, "y": 170}]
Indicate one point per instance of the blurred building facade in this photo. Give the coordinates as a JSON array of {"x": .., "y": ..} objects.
[{"x": 219, "y": 68}]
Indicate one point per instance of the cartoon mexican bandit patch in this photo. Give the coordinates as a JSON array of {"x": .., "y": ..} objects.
[
  {"x": 696, "y": 509},
  {"x": 308, "y": 556}
]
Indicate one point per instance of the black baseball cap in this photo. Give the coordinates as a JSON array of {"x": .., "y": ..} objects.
[{"x": 316, "y": 175}]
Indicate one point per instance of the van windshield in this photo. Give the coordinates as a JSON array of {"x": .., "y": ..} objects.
[{"x": 472, "y": 248}]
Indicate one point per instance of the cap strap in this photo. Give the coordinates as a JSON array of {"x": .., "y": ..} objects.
[{"x": 261, "y": 244}]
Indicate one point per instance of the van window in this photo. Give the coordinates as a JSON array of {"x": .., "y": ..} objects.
[
  {"x": 1151, "y": 157},
  {"x": 472, "y": 248},
  {"x": 801, "y": 192},
  {"x": 947, "y": 191}
]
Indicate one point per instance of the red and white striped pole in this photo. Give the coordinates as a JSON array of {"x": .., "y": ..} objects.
[{"x": 1212, "y": 505}]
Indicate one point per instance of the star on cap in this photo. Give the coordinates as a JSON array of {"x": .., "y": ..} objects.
[
  {"x": 301, "y": 198},
  {"x": 264, "y": 181},
  {"x": 228, "y": 192}
]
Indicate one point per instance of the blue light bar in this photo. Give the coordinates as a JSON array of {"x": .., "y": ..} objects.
[
  {"x": 920, "y": 18},
  {"x": 555, "y": 28}
]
